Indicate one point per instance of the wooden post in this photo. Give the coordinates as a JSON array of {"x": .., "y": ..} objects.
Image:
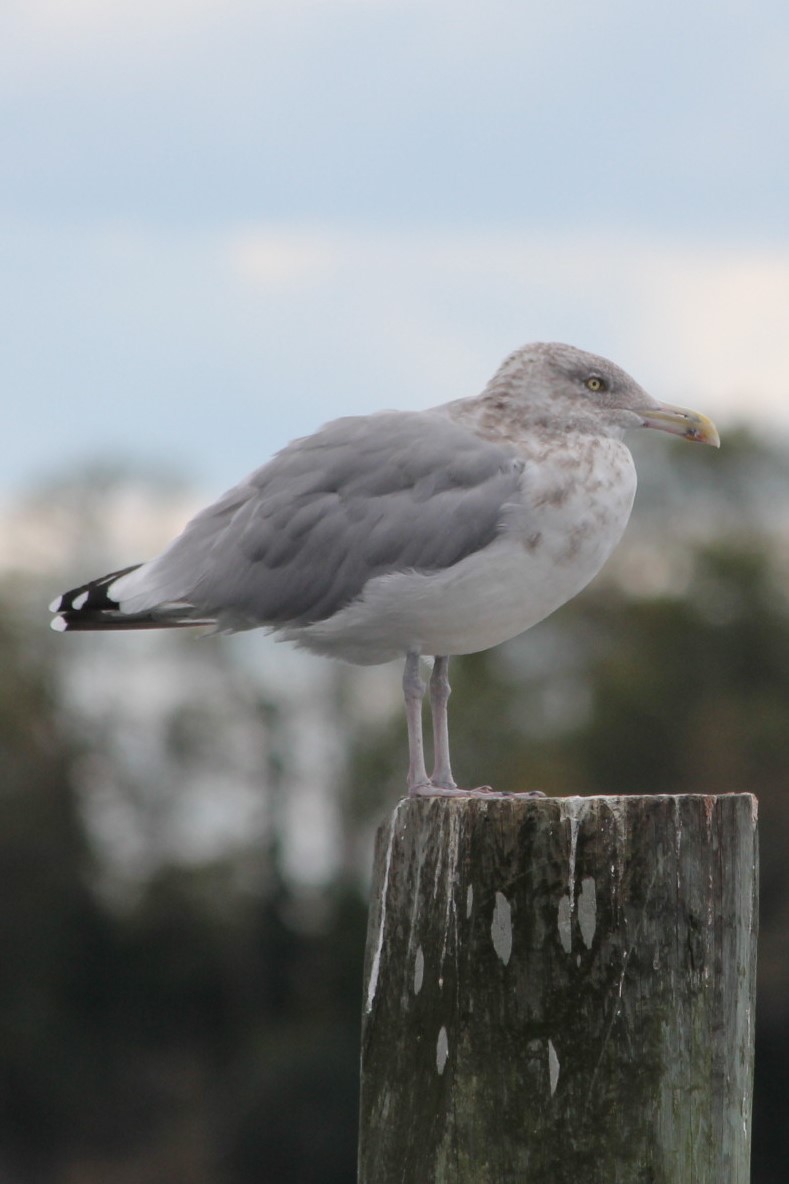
[{"x": 561, "y": 991}]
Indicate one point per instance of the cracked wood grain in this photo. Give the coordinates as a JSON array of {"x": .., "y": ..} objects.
[{"x": 560, "y": 990}]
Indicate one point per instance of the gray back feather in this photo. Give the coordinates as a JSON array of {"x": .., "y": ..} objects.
[{"x": 300, "y": 538}]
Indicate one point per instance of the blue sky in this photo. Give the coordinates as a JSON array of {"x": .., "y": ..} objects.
[{"x": 223, "y": 222}]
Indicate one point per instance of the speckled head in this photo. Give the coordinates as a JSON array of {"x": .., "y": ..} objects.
[{"x": 560, "y": 388}]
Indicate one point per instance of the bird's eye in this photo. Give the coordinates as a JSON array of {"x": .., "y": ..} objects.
[{"x": 595, "y": 383}]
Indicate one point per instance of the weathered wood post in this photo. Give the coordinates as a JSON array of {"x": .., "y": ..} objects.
[{"x": 561, "y": 991}]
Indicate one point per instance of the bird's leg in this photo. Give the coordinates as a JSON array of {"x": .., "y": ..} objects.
[
  {"x": 414, "y": 688},
  {"x": 440, "y": 691},
  {"x": 441, "y": 784}
]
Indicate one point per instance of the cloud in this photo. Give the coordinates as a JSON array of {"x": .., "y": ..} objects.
[
  {"x": 211, "y": 349},
  {"x": 128, "y": 26},
  {"x": 723, "y": 314},
  {"x": 395, "y": 110},
  {"x": 277, "y": 258},
  {"x": 709, "y": 321}
]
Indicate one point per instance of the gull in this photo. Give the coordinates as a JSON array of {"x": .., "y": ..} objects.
[{"x": 408, "y": 533}]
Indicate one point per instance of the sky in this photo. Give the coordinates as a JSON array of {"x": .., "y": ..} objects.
[{"x": 223, "y": 222}]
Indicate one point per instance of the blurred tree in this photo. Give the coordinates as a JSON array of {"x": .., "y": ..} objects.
[
  {"x": 622, "y": 694},
  {"x": 56, "y": 1030},
  {"x": 180, "y": 993},
  {"x": 190, "y": 1034},
  {"x": 165, "y": 976}
]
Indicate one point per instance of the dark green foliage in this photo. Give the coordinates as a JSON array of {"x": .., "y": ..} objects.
[
  {"x": 686, "y": 694},
  {"x": 57, "y": 945},
  {"x": 206, "y": 1028},
  {"x": 193, "y": 1035}
]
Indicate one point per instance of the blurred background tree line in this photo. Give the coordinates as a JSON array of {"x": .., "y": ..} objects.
[{"x": 186, "y": 829}]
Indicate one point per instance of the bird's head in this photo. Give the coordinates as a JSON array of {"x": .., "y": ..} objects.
[{"x": 561, "y": 388}]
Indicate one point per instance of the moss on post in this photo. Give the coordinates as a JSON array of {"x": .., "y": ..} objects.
[{"x": 560, "y": 990}]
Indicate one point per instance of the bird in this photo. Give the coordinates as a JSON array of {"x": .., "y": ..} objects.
[{"x": 411, "y": 534}]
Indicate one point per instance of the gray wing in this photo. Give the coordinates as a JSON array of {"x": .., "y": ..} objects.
[{"x": 364, "y": 496}]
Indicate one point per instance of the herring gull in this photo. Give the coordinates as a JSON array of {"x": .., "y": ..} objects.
[{"x": 409, "y": 533}]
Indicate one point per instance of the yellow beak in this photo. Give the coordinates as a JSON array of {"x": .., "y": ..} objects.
[{"x": 679, "y": 421}]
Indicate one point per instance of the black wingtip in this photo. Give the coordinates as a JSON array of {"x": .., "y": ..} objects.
[
  {"x": 91, "y": 597},
  {"x": 89, "y": 606}
]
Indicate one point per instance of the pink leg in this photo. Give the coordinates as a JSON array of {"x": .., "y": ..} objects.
[
  {"x": 442, "y": 783},
  {"x": 414, "y": 692},
  {"x": 440, "y": 691}
]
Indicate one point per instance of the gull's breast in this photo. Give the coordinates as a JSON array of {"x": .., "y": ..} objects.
[{"x": 553, "y": 541}]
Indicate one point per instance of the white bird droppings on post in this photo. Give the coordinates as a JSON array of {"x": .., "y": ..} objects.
[
  {"x": 372, "y": 986},
  {"x": 587, "y": 910},
  {"x": 419, "y": 970},
  {"x": 553, "y": 1067},
  {"x": 442, "y": 1050},
  {"x": 573, "y": 810},
  {"x": 501, "y": 928},
  {"x": 449, "y": 861},
  {"x": 469, "y": 900},
  {"x": 564, "y": 924}
]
